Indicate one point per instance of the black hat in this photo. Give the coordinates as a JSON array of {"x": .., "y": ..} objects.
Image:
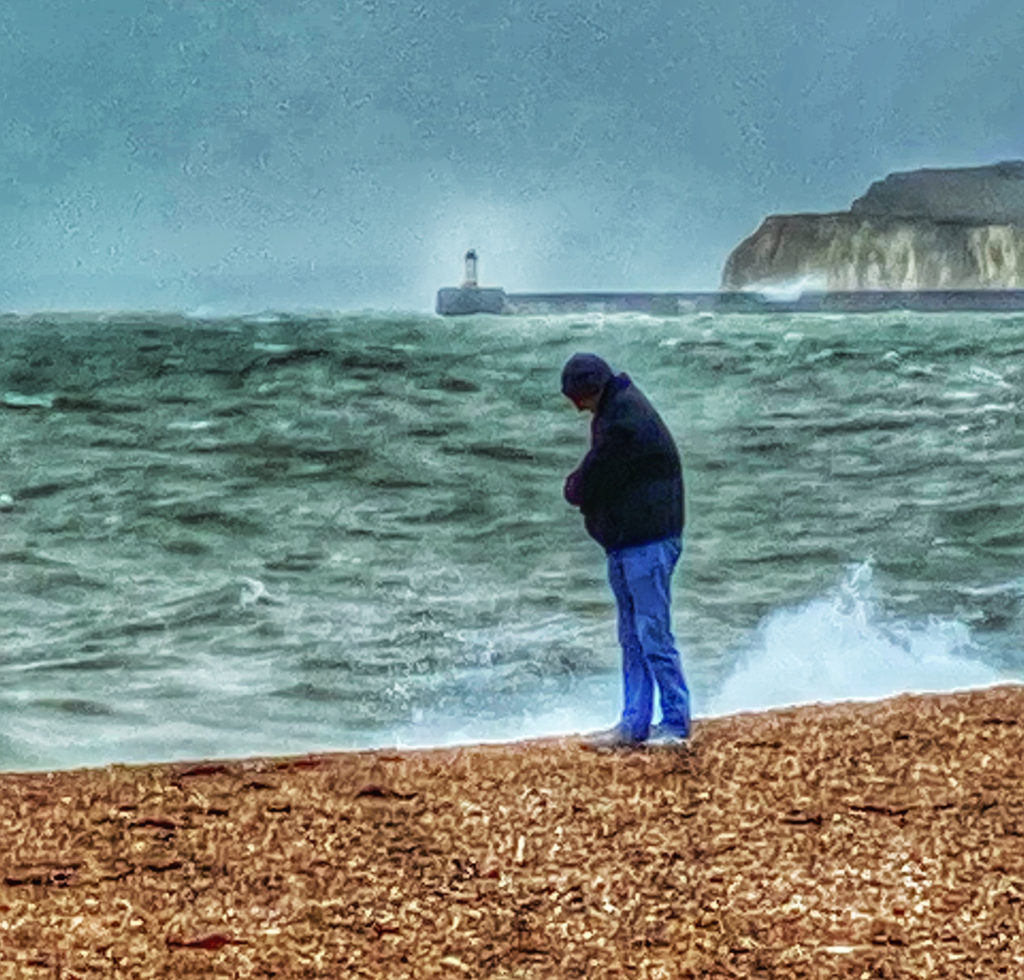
[{"x": 584, "y": 374}]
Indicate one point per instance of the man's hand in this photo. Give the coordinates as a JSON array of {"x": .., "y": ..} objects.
[{"x": 572, "y": 490}]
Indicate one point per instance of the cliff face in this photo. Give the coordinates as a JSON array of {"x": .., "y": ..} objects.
[
  {"x": 976, "y": 195},
  {"x": 930, "y": 229}
]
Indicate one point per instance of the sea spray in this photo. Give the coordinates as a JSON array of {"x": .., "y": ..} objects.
[
  {"x": 840, "y": 646},
  {"x": 843, "y": 646}
]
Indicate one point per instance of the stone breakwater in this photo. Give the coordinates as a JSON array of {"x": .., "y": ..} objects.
[
  {"x": 847, "y": 840},
  {"x": 767, "y": 301}
]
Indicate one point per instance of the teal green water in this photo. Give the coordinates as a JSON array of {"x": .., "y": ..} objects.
[{"x": 296, "y": 533}]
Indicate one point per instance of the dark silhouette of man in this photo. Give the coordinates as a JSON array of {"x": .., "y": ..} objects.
[{"x": 629, "y": 488}]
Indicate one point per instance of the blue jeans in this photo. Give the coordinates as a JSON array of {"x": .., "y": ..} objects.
[{"x": 641, "y": 578}]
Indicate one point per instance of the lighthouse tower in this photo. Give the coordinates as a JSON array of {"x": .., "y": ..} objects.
[
  {"x": 469, "y": 282},
  {"x": 469, "y": 297}
]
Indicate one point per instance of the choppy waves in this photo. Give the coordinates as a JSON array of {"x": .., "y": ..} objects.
[{"x": 284, "y": 534}]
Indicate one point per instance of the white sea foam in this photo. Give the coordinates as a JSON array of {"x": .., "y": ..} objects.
[
  {"x": 844, "y": 647},
  {"x": 254, "y": 593},
  {"x": 978, "y": 373},
  {"x": 592, "y": 703},
  {"x": 15, "y": 399},
  {"x": 273, "y": 348},
  {"x": 1013, "y": 587},
  {"x": 187, "y": 426}
]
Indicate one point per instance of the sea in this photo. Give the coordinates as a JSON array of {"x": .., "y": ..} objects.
[{"x": 296, "y": 533}]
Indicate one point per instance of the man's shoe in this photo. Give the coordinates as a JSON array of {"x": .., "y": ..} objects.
[
  {"x": 614, "y": 738},
  {"x": 662, "y": 734}
]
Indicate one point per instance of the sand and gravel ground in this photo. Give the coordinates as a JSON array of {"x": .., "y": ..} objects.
[{"x": 855, "y": 840}]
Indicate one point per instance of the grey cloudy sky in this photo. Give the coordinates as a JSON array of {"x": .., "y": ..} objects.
[{"x": 245, "y": 154}]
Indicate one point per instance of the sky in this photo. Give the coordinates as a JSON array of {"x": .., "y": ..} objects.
[{"x": 244, "y": 155}]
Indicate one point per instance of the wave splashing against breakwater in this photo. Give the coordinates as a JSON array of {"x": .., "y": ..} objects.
[{"x": 287, "y": 534}]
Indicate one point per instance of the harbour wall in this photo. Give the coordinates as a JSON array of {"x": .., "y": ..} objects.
[{"x": 464, "y": 301}]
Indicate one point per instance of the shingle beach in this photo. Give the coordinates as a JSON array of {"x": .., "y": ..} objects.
[{"x": 881, "y": 839}]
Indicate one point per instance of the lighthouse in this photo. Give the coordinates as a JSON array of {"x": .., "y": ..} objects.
[
  {"x": 469, "y": 282},
  {"x": 469, "y": 297}
]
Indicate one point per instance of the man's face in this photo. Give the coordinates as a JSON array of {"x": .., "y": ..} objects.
[{"x": 586, "y": 403}]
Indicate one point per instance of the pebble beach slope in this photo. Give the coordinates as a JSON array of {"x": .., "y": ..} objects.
[{"x": 869, "y": 839}]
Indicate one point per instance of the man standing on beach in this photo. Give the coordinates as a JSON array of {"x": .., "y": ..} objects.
[{"x": 629, "y": 488}]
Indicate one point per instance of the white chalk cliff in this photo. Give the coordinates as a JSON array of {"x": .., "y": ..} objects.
[{"x": 927, "y": 229}]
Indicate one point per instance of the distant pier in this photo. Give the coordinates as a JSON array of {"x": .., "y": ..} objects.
[{"x": 465, "y": 300}]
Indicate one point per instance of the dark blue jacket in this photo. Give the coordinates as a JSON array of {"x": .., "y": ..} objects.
[{"x": 630, "y": 485}]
